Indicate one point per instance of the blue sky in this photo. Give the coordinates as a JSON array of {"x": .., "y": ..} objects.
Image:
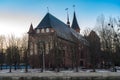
[{"x": 17, "y": 15}]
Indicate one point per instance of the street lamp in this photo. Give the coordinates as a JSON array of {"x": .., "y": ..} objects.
[{"x": 42, "y": 47}]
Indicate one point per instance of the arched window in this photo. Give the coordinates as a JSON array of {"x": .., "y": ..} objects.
[
  {"x": 52, "y": 30},
  {"x": 38, "y": 31},
  {"x": 42, "y": 30},
  {"x": 47, "y": 30}
]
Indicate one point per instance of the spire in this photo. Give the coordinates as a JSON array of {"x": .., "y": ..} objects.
[
  {"x": 75, "y": 25},
  {"x": 68, "y": 22},
  {"x": 68, "y": 19},
  {"x": 31, "y": 30}
]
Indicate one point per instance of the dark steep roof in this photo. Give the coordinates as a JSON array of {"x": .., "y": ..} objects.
[
  {"x": 79, "y": 37},
  {"x": 61, "y": 28},
  {"x": 31, "y": 30},
  {"x": 75, "y": 23},
  {"x": 46, "y": 22}
]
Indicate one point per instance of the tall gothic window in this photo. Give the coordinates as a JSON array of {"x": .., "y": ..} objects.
[
  {"x": 35, "y": 48},
  {"x": 51, "y": 45},
  {"x": 47, "y": 48},
  {"x": 31, "y": 48}
]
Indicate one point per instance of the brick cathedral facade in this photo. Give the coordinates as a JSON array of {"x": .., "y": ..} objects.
[{"x": 56, "y": 44}]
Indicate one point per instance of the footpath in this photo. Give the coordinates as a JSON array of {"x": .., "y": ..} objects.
[{"x": 62, "y": 74}]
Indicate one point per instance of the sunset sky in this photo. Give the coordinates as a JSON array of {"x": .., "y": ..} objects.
[{"x": 17, "y": 15}]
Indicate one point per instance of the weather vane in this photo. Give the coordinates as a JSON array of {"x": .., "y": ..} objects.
[
  {"x": 48, "y": 9},
  {"x": 67, "y": 10},
  {"x": 67, "y": 16},
  {"x": 74, "y": 7}
]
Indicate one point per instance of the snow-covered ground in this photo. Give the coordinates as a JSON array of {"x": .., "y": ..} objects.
[
  {"x": 47, "y": 71},
  {"x": 63, "y": 73},
  {"x": 37, "y": 73}
]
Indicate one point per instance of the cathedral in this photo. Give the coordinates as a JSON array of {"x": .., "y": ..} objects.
[{"x": 54, "y": 43}]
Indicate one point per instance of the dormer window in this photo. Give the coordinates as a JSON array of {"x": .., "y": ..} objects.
[
  {"x": 42, "y": 30},
  {"x": 38, "y": 31},
  {"x": 47, "y": 30}
]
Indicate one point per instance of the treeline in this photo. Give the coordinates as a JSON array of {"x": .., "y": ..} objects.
[
  {"x": 13, "y": 50},
  {"x": 109, "y": 33},
  {"x": 108, "y": 30}
]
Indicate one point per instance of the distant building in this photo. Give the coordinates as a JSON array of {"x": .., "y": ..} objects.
[
  {"x": 55, "y": 44},
  {"x": 94, "y": 49}
]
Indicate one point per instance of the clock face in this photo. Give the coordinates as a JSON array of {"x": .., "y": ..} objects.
[{"x": 47, "y": 30}]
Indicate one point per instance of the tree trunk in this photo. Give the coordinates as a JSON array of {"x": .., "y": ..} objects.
[
  {"x": 15, "y": 66},
  {"x": 94, "y": 69},
  {"x": 26, "y": 68},
  {"x": 76, "y": 68},
  {"x": 58, "y": 69},
  {"x": 0, "y": 66},
  {"x": 10, "y": 68},
  {"x": 26, "y": 63}
]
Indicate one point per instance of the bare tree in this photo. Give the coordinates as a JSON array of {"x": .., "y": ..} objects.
[
  {"x": 2, "y": 39},
  {"x": 115, "y": 25},
  {"x": 23, "y": 46},
  {"x": 109, "y": 35},
  {"x": 86, "y": 32},
  {"x": 15, "y": 49},
  {"x": 12, "y": 52},
  {"x": 24, "y": 51}
]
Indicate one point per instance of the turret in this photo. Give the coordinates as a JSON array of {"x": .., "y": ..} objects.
[{"x": 31, "y": 30}]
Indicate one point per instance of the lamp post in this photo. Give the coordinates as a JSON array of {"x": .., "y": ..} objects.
[
  {"x": 43, "y": 53},
  {"x": 42, "y": 47}
]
